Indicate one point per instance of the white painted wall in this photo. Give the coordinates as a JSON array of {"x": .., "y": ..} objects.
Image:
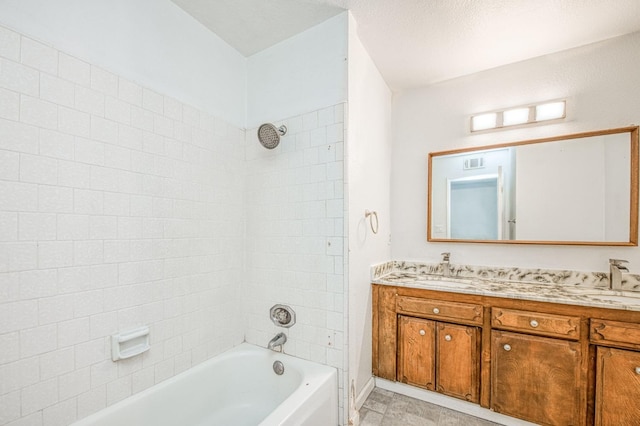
[
  {"x": 368, "y": 165},
  {"x": 300, "y": 74},
  {"x": 151, "y": 42},
  {"x": 602, "y": 86}
]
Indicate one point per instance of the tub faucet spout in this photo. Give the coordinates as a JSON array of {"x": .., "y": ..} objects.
[{"x": 277, "y": 341}]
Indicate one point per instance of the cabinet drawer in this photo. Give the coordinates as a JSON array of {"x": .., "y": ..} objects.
[
  {"x": 562, "y": 326},
  {"x": 615, "y": 333},
  {"x": 464, "y": 312}
]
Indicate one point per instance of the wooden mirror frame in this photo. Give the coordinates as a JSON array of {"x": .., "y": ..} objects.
[{"x": 634, "y": 171}]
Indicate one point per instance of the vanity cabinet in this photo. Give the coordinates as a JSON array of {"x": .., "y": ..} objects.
[
  {"x": 617, "y": 389},
  {"x": 439, "y": 356},
  {"x": 548, "y": 363},
  {"x": 536, "y": 378}
]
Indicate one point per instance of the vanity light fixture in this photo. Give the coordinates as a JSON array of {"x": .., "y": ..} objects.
[{"x": 528, "y": 114}]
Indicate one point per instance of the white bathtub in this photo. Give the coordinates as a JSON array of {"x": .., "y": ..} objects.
[{"x": 236, "y": 388}]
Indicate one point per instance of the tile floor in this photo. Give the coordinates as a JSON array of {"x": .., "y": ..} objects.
[{"x": 386, "y": 408}]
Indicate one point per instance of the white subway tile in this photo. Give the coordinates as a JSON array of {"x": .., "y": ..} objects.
[
  {"x": 310, "y": 121},
  {"x": 55, "y": 254},
  {"x": 103, "y": 227},
  {"x": 88, "y": 252},
  {"x": 18, "y": 137},
  {"x": 38, "y": 283},
  {"x": 55, "y": 309},
  {"x": 74, "y": 383},
  {"x": 38, "y": 169},
  {"x": 9, "y": 287},
  {"x": 104, "y": 324},
  {"x": 90, "y": 352},
  {"x": 143, "y": 379},
  {"x": 34, "y": 419},
  {"x": 9, "y": 44},
  {"x": 88, "y": 303},
  {"x": 172, "y": 108},
  {"x": 18, "y": 256},
  {"x": 318, "y": 137},
  {"x": 73, "y": 332},
  {"x": 56, "y": 90},
  {"x": 141, "y": 118},
  {"x": 118, "y": 390},
  {"x": 74, "y": 69},
  {"x": 104, "y": 179},
  {"x": 103, "y": 372},
  {"x": 117, "y": 110},
  {"x": 129, "y": 92},
  {"x": 57, "y": 363},
  {"x": 17, "y": 77},
  {"x": 129, "y": 228},
  {"x": 56, "y": 144},
  {"x": 130, "y": 137},
  {"x": 73, "y": 227},
  {"x": 116, "y": 204},
  {"x": 10, "y": 344},
  {"x": 77, "y": 175},
  {"x": 10, "y": 404},
  {"x": 9, "y": 104},
  {"x": 117, "y": 157},
  {"x": 38, "y": 340},
  {"x": 61, "y": 414},
  {"x": 39, "y": 56},
  {"x": 9, "y": 165},
  {"x": 89, "y": 151},
  {"x": 39, "y": 396},
  {"x": 163, "y": 125},
  {"x": 104, "y": 81},
  {"x": 104, "y": 130},
  {"x": 38, "y": 112},
  {"x": 152, "y": 101},
  {"x": 55, "y": 199},
  {"x": 164, "y": 370},
  {"x": 37, "y": 226},
  {"x": 92, "y": 401},
  {"x": 74, "y": 122},
  {"x": 19, "y": 374},
  {"x": 89, "y": 101},
  {"x": 86, "y": 201},
  {"x": 8, "y": 225}
]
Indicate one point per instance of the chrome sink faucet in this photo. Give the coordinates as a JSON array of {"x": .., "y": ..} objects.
[
  {"x": 277, "y": 341},
  {"x": 446, "y": 270},
  {"x": 616, "y": 268}
]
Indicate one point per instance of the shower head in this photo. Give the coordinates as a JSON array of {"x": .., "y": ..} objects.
[{"x": 269, "y": 135}]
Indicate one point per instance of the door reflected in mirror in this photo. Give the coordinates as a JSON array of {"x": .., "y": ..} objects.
[{"x": 576, "y": 189}]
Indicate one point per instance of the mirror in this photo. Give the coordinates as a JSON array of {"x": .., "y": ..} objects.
[{"x": 579, "y": 189}]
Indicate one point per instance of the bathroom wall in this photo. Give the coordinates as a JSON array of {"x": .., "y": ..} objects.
[
  {"x": 120, "y": 206},
  {"x": 602, "y": 88},
  {"x": 151, "y": 42},
  {"x": 367, "y": 183},
  {"x": 299, "y": 75}
]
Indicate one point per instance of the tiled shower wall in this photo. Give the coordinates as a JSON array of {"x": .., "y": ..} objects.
[
  {"x": 295, "y": 239},
  {"x": 118, "y": 207}
]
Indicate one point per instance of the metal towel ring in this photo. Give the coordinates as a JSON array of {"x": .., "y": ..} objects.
[{"x": 371, "y": 215}]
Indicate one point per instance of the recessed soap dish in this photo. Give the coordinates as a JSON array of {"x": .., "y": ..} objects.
[
  {"x": 282, "y": 315},
  {"x": 130, "y": 343}
]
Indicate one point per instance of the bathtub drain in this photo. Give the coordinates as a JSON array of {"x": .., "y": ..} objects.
[{"x": 278, "y": 368}]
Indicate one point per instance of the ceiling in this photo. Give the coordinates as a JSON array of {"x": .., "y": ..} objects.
[{"x": 420, "y": 42}]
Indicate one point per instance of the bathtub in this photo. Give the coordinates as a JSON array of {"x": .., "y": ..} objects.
[{"x": 236, "y": 388}]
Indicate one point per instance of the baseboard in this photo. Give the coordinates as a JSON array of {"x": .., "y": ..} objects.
[
  {"x": 364, "y": 393},
  {"x": 449, "y": 402}
]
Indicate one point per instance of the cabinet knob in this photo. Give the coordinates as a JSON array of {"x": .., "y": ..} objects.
[
  {"x": 533, "y": 323},
  {"x": 436, "y": 310},
  {"x": 637, "y": 370},
  {"x": 507, "y": 347},
  {"x": 447, "y": 337},
  {"x": 422, "y": 332}
]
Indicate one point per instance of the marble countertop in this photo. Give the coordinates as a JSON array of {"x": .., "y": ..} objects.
[{"x": 574, "y": 293}]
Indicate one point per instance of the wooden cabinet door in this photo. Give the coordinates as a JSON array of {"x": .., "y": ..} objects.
[
  {"x": 617, "y": 387},
  {"x": 457, "y": 361},
  {"x": 416, "y": 357},
  {"x": 536, "y": 378}
]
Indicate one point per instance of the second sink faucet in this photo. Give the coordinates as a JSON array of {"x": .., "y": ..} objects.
[
  {"x": 616, "y": 268},
  {"x": 446, "y": 270}
]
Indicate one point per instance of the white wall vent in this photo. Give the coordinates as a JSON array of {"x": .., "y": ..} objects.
[{"x": 474, "y": 163}]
